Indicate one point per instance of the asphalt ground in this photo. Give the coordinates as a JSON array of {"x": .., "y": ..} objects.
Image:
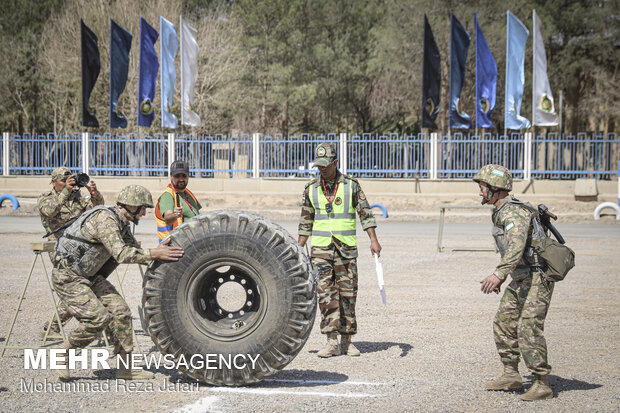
[{"x": 430, "y": 349}]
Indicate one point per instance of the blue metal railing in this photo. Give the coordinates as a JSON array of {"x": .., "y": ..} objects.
[
  {"x": 216, "y": 156},
  {"x": 574, "y": 156},
  {"x": 39, "y": 154},
  {"x": 293, "y": 156},
  {"x": 458, "y": 156},
  {"x": 388, "y": 155},
  {"x": 124, "y": 155},
  {"x": 461, "y": 156}
]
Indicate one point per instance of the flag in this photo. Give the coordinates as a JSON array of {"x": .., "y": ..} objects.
[
  {"x": 543, "y": 113},
  {"x": 149, "y": 66},
  {"x": 516, "y": 37},
  {"x": 431, "y": 78},
  {"x": 168, "y": 47},
  {"x": 91, "y": 65},
  {"x": 486, "y": 80},
  {"x": 189, "y": 72},
  {"x": 120, "y": 44},
  {"x": 459, "y": 45}
]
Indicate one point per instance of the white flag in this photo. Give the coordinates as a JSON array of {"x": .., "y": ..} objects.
[
  {"x": 379, "y": 270},
  {"x": 189, "y": 73},
  {"x": 544, "y": 113}
]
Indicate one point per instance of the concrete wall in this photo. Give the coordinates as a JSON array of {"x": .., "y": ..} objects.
[{"x": 32, "y": 186}]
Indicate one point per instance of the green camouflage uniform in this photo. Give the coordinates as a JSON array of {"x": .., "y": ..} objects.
[
  {"x": 57, "y": 208},
  {"x": 94, "y": 301},
  {"x": 519, "y": 323},
  {"x": 336, "y": 264}
]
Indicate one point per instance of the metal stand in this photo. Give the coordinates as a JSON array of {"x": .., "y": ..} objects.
[{"x": 38, "y": 249}]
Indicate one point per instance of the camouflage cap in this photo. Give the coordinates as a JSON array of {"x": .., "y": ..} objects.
[
  {"x": 495, "y": 175},
  {"x": 325, "y": 154},
  {"x": 61, "y": 172},
  {"x": 135, "y": 195}
]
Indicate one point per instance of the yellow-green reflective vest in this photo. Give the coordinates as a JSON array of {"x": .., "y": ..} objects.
[{"x": 340, "y": 223}]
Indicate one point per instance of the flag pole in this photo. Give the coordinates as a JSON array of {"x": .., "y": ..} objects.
[
  {"x": 533, "y": 68},
  {"x": 181, "y": 50}
]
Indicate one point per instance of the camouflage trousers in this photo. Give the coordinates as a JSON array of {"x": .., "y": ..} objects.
[
  {"x": 337, "y": 291},
  {"x": 96, "y": 305},
  {"x": 63, "y": 311},
  {"x": 520, "y": 322}
]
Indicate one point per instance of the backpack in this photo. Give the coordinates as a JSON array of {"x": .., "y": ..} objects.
[{"x": 558, "y": 257}]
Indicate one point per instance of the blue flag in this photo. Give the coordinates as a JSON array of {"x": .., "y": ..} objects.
[
  {"x": 486, "y": 80},
  {"x": 516, "y": 37},
  {"x": 459, "y": 45},
  {"x": 168, "y": 51},
  {"x": 149, "y": 66},
  {"x": 431, "y": 78},
  {"x": 120, "y": 44},
  {"x": 91, "y": 65}
]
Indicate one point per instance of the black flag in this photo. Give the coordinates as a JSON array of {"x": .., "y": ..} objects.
[
  {"x": 431, "y": 78},
  {"x": 90, "y": 72}
]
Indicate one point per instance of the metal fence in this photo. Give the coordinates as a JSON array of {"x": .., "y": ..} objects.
[{"x": 456, "y": 156}]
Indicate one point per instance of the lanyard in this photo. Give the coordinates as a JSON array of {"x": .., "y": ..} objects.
[{"x": 329, "y": 199}]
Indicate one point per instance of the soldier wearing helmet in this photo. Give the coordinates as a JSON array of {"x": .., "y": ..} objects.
[
  {"x": 519, "y": 322},
  {"x": 84, "y": 251}
]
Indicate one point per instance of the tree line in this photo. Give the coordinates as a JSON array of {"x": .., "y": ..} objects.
[{"x": 303, "y": 66}]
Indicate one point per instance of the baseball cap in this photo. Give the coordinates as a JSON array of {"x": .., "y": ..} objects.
[
  {"x": 61, "y": 172},
  {"x": 325, "y": 154},
  {"x": 179, "y": 167}
]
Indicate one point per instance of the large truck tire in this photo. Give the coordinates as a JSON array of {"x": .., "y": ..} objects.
[{"x": 242, "y": 287}]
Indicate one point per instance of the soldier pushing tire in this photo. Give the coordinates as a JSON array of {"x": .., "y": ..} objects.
[{"x": 243, "y": 287}]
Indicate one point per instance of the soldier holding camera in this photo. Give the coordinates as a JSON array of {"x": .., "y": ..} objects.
[{"x": 63, "y": 203}]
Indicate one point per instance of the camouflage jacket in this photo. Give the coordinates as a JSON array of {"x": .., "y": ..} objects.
[
  {"x": 512, "y": 226},
  {"x": 56, "y": 208},
  {"x": 360, "y": 203},
  {"x": 101, "y": 227}
]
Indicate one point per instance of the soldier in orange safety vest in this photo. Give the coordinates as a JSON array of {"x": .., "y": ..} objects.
[{"x": 177, "y": 203}]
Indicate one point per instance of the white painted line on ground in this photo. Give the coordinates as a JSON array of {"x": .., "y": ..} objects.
[
  {"x": 272, "y": 392},
  {"x": 206, "y": 404},
  {"x": 351, "y": 383}
]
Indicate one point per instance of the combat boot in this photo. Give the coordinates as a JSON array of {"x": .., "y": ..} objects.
[
  {"x": 511, "y": 379},
  {"x": 54, "y": 330},
  {"x": 63, "y": 372},
  {"x": 124, "y": 370},
  {"x": 331, "y": 348},
  {"x": 346, "y": 347},
  {"x": 540, "y": 390}
]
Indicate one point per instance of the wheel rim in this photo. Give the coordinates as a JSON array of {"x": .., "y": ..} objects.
[{"x": 230, "y": 320}]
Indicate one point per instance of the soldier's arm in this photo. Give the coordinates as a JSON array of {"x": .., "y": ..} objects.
[
  {"x": 104, "y": 227},
  {"x": 367, "y": 219},
  {"x": 97, "y": 199},
  {"x": 361, "y": 205},
  {"x": 307, "y": 216},
  {"x": 49, "y": 206},
  {"x": 516, "y": 223}
]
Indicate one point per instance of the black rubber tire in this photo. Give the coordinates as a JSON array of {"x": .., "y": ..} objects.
[{"x": 180, "y": 304}]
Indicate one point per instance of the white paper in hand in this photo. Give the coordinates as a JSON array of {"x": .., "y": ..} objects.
[{"x": 379, "y": 270}]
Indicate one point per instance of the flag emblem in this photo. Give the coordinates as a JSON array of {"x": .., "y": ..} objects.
[
  {"x": 430, "y": 106},
  {"x": 146, "y": 107},
  {"x": 546, "y": 104},
  {"x": 484, "y": 104}
]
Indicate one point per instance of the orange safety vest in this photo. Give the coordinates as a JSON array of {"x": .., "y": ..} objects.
[{"x": 163, "y": 229}]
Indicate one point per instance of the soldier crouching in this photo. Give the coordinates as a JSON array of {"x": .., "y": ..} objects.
[{"x": 83, "y": 254}]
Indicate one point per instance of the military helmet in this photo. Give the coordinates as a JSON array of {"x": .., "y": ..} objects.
[
  {"x": 135, "y": 195},
  {"x": 495, "y": 175}
]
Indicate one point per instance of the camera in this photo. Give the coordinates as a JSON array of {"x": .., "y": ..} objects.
[{"x": 82, "y": 179}]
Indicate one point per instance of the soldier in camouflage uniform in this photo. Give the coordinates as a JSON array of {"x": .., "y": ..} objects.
[
  {"x": 519, "y": 323},
  {"x": 56, "y": 207},
  {"x": 79, "y": 275},
  {"x": 328, "y": 210}
]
